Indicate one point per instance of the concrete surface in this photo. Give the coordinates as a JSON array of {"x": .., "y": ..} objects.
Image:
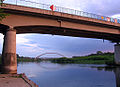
[{"x": 15, "y": 80}]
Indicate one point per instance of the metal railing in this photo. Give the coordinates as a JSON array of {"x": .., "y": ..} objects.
[{"x": 63, "y": 10}]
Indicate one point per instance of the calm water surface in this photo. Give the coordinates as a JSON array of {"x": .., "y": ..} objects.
[{"x": 47, "y": 74}]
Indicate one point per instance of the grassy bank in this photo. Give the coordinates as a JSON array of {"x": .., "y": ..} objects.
[{"x": 106, "y": 58}]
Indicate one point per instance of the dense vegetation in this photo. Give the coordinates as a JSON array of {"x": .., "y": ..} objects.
[
  {"x": 103, "y": 58},
  {"x": 2, "y": 14},
  {"x": 26, "y": 59},
  {"x": 98, "y": 58}
]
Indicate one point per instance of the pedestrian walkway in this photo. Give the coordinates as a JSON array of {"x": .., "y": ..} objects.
[{"x": 15, "y": 80}]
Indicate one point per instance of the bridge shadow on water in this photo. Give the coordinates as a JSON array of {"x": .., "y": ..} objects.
[
  {"x": 117, "y": 74},
  {"x": 115, "y": 69}
]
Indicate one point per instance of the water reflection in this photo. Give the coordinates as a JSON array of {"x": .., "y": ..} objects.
[
  {"x": 71, "y": 75},
  {"x": 115, "y": 69}
]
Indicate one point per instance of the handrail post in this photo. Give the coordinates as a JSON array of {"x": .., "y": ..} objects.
[{"x": 16, "y": 2}]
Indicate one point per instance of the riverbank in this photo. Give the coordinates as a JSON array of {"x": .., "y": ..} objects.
[
  {"x": 28, "y": 59},
  {"x": 98, "y": 58},
  {"x": 105, "y": 58}
]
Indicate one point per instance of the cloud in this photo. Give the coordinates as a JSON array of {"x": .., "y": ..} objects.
[
  {"x": 21, "y": 39},
  {"x": 1, "y": 38},
  {"x": 1, "y": 42},
  {"x": 25, "y": 47},
  {"x": 82, "y": 46},
  {"x": 29, "y": 51},
  {"x": 116, "y": 16},
  {"x": 70, "y": 46},
  {"x": 102, "y": 7}
]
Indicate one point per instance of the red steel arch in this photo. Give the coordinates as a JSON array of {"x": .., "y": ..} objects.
[{"x": 50, "y": 53}]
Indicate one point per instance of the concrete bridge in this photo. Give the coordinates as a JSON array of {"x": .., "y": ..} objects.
[{"x": 24, "y": 19}]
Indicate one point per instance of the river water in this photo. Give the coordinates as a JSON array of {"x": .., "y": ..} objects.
[{"x": 46, "y": 74}]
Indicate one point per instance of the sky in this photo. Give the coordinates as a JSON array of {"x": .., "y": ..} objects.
[{"x": 33, "y": 45}]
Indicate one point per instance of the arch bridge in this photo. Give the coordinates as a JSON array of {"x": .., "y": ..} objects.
[{"x": 50, "y": 53}]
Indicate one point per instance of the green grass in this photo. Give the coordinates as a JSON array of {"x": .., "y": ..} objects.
[
  {"x": 91, "y": 59},
  {"x": 105, "y": 58}
]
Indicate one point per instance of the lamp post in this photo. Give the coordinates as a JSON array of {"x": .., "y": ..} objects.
[{"x": 16, "y": 2}]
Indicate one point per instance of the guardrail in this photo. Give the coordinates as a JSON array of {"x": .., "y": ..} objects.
[{"x": 63, "y": 10}]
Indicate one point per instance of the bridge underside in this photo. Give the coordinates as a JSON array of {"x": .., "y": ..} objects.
[
  {"x": 67, "y": 32},
  {"x": 62, "y": 31},
  {"x": 3, "y": 28}
]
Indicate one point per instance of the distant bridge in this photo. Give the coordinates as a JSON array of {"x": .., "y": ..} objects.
[{"x": 50, "y": 53}]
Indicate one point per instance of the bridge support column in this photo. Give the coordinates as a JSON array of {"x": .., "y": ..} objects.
[
  {"x": 117, "y": 54},
  {"x": 117, "y": 75},
  {"x": 9, "y": 60}
]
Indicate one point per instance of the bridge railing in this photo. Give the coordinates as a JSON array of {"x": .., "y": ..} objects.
[{"x": 63, "y": 10}]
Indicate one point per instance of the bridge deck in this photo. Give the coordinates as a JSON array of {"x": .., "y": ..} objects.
[
  {"x": 60, "y": 23},
  {"x": 10, "y": 8}
]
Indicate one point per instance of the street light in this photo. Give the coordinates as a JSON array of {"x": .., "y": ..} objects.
[{"x": 16, "y": 2}]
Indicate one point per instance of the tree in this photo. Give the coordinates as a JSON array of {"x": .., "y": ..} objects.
[
  {"x": 99, "y": 52},
  {"x": 1, "y": 2},
  {"x": 17, "y": 55},
  {"x": 2, "y": 14}
]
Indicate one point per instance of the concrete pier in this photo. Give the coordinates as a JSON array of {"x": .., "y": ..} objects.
[
  {"x": 117, "y": 75},
  {"x": 9, "y": 60},
  {"x": 117, "y": 54}
]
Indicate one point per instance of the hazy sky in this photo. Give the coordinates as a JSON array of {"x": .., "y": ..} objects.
[{"x": 35, "y": 44}]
